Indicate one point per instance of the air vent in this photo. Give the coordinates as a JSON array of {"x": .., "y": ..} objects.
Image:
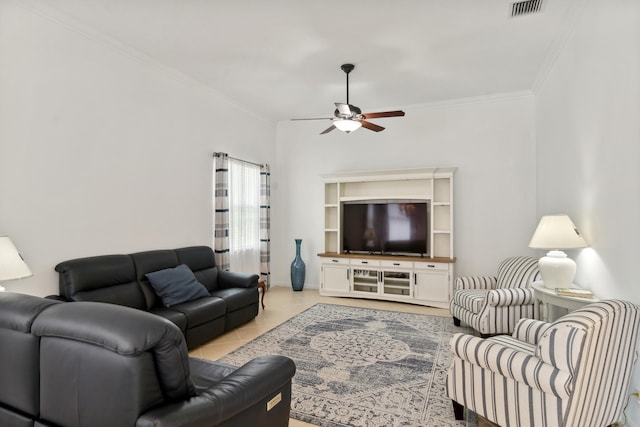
[{"x": 525, "y": 7}]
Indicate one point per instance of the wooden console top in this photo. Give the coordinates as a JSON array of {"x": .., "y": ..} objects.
[{"x": 387, "y": 257}]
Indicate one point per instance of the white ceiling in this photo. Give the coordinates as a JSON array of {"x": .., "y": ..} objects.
[{"x": 281, "y": 58}]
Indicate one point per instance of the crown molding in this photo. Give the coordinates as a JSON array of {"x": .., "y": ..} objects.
[
  {"x": 496, "y": 97},
  {"x": 572, "y": 18}
]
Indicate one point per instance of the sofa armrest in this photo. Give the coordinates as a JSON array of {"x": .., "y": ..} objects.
[
  {"x": 230, "y": 279},
  {"x": 256, "y": 383},
  {"x": 530, "y": 330},
  {"x": 507, "y": 362},
  {"x": 57, "y": 298},
  {"x": 476, "y": 282},
  {"x": 509, "y": 296}
]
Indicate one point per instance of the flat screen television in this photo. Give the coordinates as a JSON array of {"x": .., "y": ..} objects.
[{"x": 393, "y": 227}]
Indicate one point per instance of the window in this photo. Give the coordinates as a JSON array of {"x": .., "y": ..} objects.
[{"x": 244, "y": 216}]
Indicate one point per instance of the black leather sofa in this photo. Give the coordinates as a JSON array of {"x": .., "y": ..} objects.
[
  {"x": 121, "y": 279},
  {"x": 91, "y": 364}
]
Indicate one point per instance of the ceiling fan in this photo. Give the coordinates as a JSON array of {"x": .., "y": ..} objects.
[{"x": 348, "y": 117}]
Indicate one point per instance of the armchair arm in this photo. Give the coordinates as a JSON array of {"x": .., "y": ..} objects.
[
  {"x": 254, "y": 384},
  {"x": 561, "y": 345},
  {"x": 476, "y": 282},
  {"x": 530, "y": 330},
  {"x": 230, "y": 279},
  {"x": 510, "y": 363},
  {"x": 509, "y": 296}
]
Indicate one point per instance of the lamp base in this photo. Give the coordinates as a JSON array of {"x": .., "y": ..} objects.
[{"x": 557, "y": 270}]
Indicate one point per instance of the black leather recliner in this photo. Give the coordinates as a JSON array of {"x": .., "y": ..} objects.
[
  {"x": 120, "y": 279},
  {"x": 94, "y": 364}
]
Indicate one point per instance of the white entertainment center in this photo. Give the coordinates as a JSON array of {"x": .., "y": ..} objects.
[{"x": 418, "y": 279}]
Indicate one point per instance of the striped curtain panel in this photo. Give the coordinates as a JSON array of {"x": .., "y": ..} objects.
[
  {"x": 221, "y": 216},
  {"x": 265, "y": 224}
]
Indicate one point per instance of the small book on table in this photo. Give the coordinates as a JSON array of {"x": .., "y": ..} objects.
[{"x": 573, "y": 292}]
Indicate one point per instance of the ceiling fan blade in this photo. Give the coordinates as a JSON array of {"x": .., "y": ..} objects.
[
  {"x": 343, "y": 108},
  {"x": 371, "y": 126},
  {"x": 396, "y": 113},
  {"x": 327, "y": 130},
  {"x": 314, "y": 118}
]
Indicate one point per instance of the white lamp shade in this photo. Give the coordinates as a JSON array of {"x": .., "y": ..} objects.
[
  {"x": 12, "y": 266},
  {"x": 347, "y": 125},
  {"x": 557, "y": 232}
]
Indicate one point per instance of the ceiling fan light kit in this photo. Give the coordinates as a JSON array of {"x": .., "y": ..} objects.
[
  {"x": 347, "y": 125},
  {"x": 348, "y": 118}
]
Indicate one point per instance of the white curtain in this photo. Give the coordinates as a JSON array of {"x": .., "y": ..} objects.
[{"x": 244, "y": 216}]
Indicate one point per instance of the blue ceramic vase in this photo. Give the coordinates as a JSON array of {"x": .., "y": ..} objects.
[{"x": 298, "y": 269}]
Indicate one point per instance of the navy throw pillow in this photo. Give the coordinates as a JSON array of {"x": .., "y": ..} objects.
[{"x": 176, "y": 285}]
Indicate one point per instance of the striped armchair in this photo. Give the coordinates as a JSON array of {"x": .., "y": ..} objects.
[
  {"x": 493, "y": 305},
  {"x": 574, "y": 372}
]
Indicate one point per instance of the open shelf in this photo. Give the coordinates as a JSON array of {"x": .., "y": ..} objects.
[
  {"x": 420, "y": 280},
  {"x": 434, "y": 185}
]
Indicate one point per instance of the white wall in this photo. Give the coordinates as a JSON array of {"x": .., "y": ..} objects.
[
  {"x": 588, "y": 148},
  {"x": 588, "y": 144},
  {"x": 491, "y": 142},
  {"x": 104, "y": 151}
]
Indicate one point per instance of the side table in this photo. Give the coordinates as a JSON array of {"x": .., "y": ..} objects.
[
  {"x": 262, "y": 284},
  {"x": 548, "y": 297}
]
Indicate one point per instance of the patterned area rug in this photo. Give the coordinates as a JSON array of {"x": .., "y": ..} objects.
[{"x": 363, "y": 367}]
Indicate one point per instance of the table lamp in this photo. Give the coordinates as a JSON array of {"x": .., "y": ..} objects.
[
  {"x": 557, "y": 232},
  {"x": 12, "y": 266}
]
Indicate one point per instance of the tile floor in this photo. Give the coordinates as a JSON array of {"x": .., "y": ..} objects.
[{"x": 281, "y": 303}]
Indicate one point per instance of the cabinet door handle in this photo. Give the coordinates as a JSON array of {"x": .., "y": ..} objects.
[
  {"x": 431, "y": 266},
  {"x": 396, "y": 263},
  {"x": 364, "y": 262},
  {"x": 334, "y": 260}
]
